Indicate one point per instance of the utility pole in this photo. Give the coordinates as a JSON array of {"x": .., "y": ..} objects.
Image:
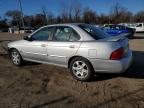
[{"x": 22, "y": 15}]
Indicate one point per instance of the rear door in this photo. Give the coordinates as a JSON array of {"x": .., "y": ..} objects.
[{"x": 65, "y": 43}]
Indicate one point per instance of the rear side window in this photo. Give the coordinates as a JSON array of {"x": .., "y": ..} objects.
[
  {"x": 114, "y": 27},
  {"x": 64, "y": 33},
  {"x": 94, "y": 31},
  {"x": 74, "y": 36},
  {"x": 122, "y": 27}
]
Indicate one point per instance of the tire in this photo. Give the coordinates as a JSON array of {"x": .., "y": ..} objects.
[
  {"x": 16, "y": 57},
  {"x": 81, "y": 69},
  {"x": 130, "y": 36}
]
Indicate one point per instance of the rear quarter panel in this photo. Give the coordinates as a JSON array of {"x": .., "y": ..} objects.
[{"x": 97, "y": 49}]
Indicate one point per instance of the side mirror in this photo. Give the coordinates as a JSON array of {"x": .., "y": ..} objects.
[{"x": 26, "y": 38}]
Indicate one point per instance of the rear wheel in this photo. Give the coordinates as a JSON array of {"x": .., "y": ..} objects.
[
  {"x": 130, "y": 36},
  {"x": 81, "y": 69},
  {"x": 16, "y": 57}
]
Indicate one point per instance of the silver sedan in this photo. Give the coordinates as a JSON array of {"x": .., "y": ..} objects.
[{"x": 82, "y": 48}]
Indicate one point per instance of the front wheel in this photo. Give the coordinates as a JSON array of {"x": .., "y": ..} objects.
[
  {"x": 81, "y": 69},
  {"x": 16, "y": 57}
]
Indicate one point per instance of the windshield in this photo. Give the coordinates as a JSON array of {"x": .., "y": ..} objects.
[{"x": 94, "y": 31}]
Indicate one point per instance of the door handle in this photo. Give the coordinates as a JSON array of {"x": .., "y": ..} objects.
[
  {"x": 72, "y": 46},
  {"x": 43, "y": 45}
]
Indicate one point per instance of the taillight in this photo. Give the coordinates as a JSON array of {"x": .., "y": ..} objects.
[{"x": 117, "y": 54}]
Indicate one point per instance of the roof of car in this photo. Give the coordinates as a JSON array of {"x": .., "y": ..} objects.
[{"x": 65, "y": 24}]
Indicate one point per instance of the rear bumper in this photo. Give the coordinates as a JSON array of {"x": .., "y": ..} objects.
[{"x": 112, "y": 66}]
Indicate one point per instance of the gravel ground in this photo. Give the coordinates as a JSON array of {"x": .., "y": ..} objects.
[{"x": 46, "y": 86}]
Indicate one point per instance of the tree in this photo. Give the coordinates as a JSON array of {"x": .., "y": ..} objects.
[
  {"x": 74, "y": 12},
  {"x": 71, "y": 13},
  {"x": 38, "y": 20},
  {"x": 58, "y": 19},
  {"x": 44, "y": 15},
  {"x": 28, "y": 20},
  {"x": 65, "y": 15},
  {"x": 89, "y": 16},
  {"x": 50, "y": 18},
  {"x": 77, "y": 12},
  {"x": 15, "y": 15},
  {"x": 139, "y": 17},
  {"x": 120, "y": 14},
  {"x": 3, "y": 25},
  {"x": 103, "y": 19}
]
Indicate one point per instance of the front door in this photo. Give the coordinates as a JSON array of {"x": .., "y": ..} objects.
[{"x": 36, "y": 47}]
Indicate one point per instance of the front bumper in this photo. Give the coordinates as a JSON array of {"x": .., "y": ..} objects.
[{"x": 112, "y": 66}]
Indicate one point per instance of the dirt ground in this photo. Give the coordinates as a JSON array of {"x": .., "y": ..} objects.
[{"x": 45, "y": 86}]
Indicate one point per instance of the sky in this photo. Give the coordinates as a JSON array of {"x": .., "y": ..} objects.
[{"x": 31, "y": 7}]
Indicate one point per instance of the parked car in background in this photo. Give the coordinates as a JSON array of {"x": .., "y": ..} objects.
[
  {"x": 26, "y": 29},
  {"x": 4, "y": 30},
  {"x": 18, "y": 30},
  {"x": 130, "y": 25},
  {"x": 82, "y": 48},
  {"x": 115, "y": 30},
  {"x": 139, "y": 27}
]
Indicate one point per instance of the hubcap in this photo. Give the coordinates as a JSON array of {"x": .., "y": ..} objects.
[
  {"x": 15, "y": 57},
  {"x": 80, "y": 69}
]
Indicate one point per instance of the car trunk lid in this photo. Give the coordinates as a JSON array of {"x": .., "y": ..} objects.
[{"x": 116, "y": 38}]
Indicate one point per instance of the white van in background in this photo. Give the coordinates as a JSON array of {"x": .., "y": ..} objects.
[
  {"x": 130, "y": 25},
  {"x": 139, "y": 27}
]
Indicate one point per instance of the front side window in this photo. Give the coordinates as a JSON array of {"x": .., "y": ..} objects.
[
  {"x": 139, "y": 25},
  {"x": 42, "y": 35},
  {"x": 65, "y": 34},
  {"x": 122, "y": 27}
]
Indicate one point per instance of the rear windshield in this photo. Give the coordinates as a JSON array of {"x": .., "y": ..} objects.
[{"x": 94, "y": 31}]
